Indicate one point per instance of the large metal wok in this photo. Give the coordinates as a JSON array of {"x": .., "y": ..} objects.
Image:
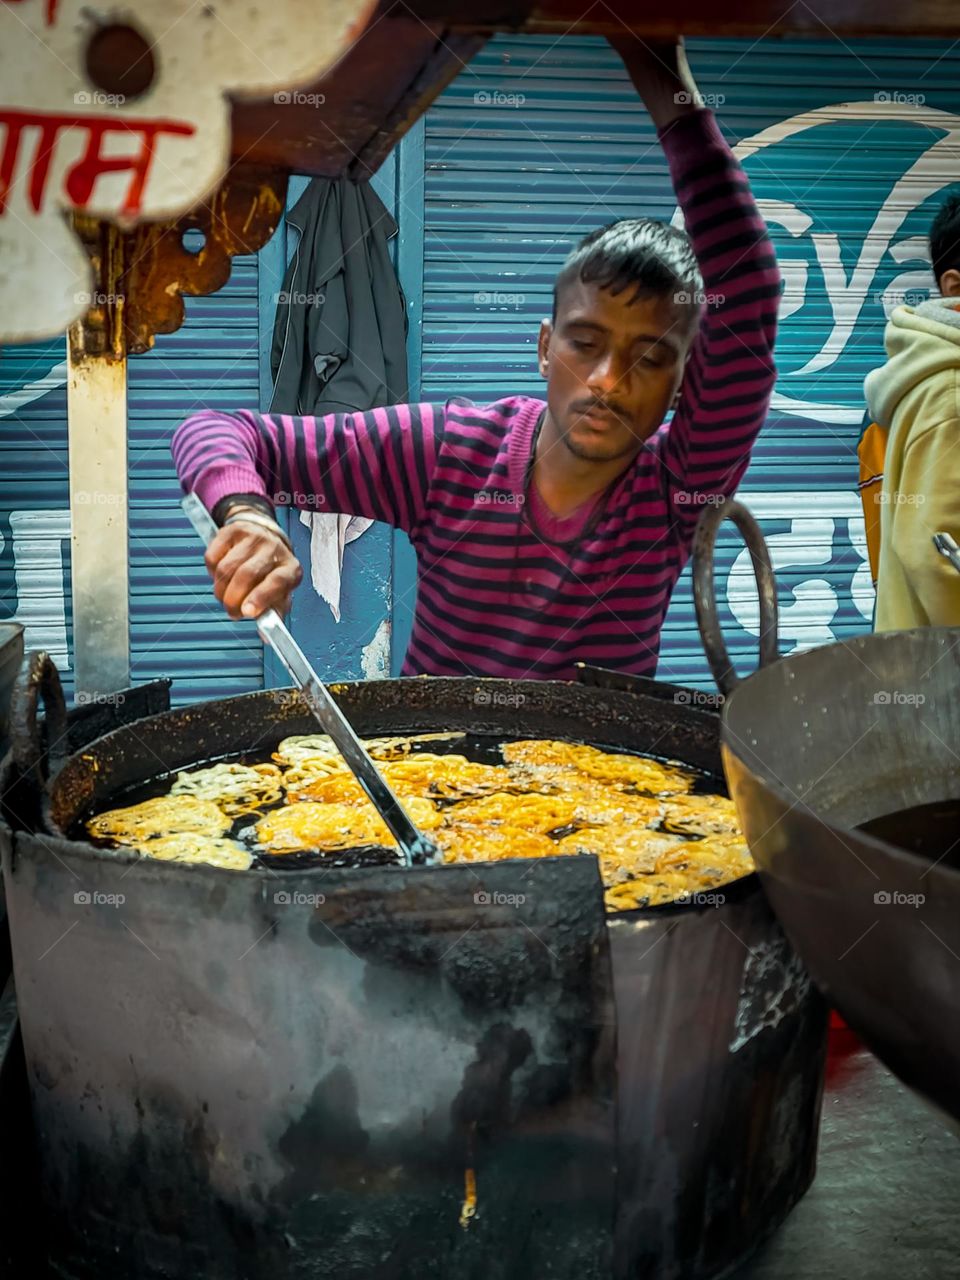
[
  {"x": 816, "y": 745},
  {"x": 227, "y": 1083}
]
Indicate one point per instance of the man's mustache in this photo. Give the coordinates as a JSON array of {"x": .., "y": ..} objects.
[{"x": 602, "y": 406}]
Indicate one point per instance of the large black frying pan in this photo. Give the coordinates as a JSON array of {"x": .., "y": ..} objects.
[{"x": 815, "y": 745}]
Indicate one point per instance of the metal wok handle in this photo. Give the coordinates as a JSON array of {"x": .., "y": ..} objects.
[
  {"x": 38, "y": 757},
  {"x": 705, "y": 595}
]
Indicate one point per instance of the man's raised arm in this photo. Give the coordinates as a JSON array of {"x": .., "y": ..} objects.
[{"x": 731, "y": 372}]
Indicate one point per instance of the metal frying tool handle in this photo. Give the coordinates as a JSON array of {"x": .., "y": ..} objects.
[
  {"x": 947, "y": 546},
  {"x": 414, "y": 846}
]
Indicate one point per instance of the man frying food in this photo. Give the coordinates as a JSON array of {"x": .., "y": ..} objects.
[{"x": 551, "y": 531}]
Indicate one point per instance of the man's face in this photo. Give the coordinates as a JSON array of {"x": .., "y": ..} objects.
[{"x": 612, "y": 369}]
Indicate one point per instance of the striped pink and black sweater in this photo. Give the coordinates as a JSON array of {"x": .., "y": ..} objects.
[{"x": 504, "y": 590}]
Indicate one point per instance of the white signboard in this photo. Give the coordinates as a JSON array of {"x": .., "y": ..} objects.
[{"x": 66, "y": 144}]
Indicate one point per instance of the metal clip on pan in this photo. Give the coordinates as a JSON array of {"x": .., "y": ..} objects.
[
  {"x": 414, "y": 846},
  {"x": 705, "y": 595}
]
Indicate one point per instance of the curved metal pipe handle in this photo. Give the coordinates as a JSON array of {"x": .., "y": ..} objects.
[
  {"x": 705, "y": 595},
  {"x": 38, "y": 756}
]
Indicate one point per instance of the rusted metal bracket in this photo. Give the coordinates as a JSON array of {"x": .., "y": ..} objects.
[{"x": 141, "y": 275}]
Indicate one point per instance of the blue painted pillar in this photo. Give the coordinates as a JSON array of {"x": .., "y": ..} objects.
[{"x": 380, "y": 565}]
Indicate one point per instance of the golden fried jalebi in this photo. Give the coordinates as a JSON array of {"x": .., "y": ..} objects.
[
  {"x": 552, "y": 759},
  {"x": 236, "y": 788},
  {"x": 418, "y": 775},
  {"x": 623, "y": 849},
  {"x": 188, "y": 846},
  {"x": 713, "y": 860},
  {"x": 312, "y": 825},
  {"x": 648, "y": 891},
  {"x": 604, "y": 805},
  {"x": 166, "y": 815},
  {"x": 448, "y": 776},
  {"x": 310, "y": 746},
  {"x": 529, "y": 812},
  {"x": 310, "y": 770},
  {"x": 655, "y": 839},
  {"x": 462, "y": 842},
  {"x": 339, "y": 788},
  {"x": 320, "y": 746},
  {"x": 701, "y": 815}
]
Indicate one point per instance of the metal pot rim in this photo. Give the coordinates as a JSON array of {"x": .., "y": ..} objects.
[{"x": 528, "y": 690}]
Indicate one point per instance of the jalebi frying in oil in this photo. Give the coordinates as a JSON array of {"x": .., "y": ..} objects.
[{"x": 657, "y": 835}]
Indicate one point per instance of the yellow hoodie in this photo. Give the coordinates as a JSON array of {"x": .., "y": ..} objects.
[{"x": 916, "y": 394}]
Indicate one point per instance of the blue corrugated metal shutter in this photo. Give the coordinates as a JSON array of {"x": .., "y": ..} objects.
[
  {"x": 34, "y": 497},
  {"x": 538, "y": 141},
  {"x": 177, "y": 628}
]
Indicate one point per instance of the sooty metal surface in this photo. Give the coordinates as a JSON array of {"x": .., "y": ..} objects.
[
  {"x": 816, "y": 745},
  {"x": 296, "y": 1089},
  {"x": 721, "y": 1042},
  {"x": 264, "y": 1084}
]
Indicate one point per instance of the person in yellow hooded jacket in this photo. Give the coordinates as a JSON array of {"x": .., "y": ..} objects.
[{"x": 916, "y": 397}]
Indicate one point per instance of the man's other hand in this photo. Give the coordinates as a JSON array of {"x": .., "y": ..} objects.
[{"x": 661, "y": 75}]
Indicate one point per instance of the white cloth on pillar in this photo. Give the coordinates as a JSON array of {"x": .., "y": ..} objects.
[{"x": 329, "y": 534}]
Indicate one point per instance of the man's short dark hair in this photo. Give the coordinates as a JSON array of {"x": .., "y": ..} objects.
[
  {"x": 649, "y": 257},
  {"x": 945, "y": 237}
]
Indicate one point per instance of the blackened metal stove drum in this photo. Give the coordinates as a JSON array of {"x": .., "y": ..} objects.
[{"x": 231, "y": 1084}]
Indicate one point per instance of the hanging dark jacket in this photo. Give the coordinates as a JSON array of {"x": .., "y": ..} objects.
[{"x": 339, "y": 340}]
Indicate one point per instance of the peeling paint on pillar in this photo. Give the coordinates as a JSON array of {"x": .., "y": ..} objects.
[
  {"x": 375, "y": 656},
  {"x": 358, "y": 646}
]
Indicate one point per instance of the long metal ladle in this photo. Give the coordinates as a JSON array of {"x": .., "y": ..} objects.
[{"x": 414, "y": 845}]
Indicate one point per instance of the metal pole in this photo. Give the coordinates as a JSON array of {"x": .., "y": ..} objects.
[{"x": 97, "y": 434}]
